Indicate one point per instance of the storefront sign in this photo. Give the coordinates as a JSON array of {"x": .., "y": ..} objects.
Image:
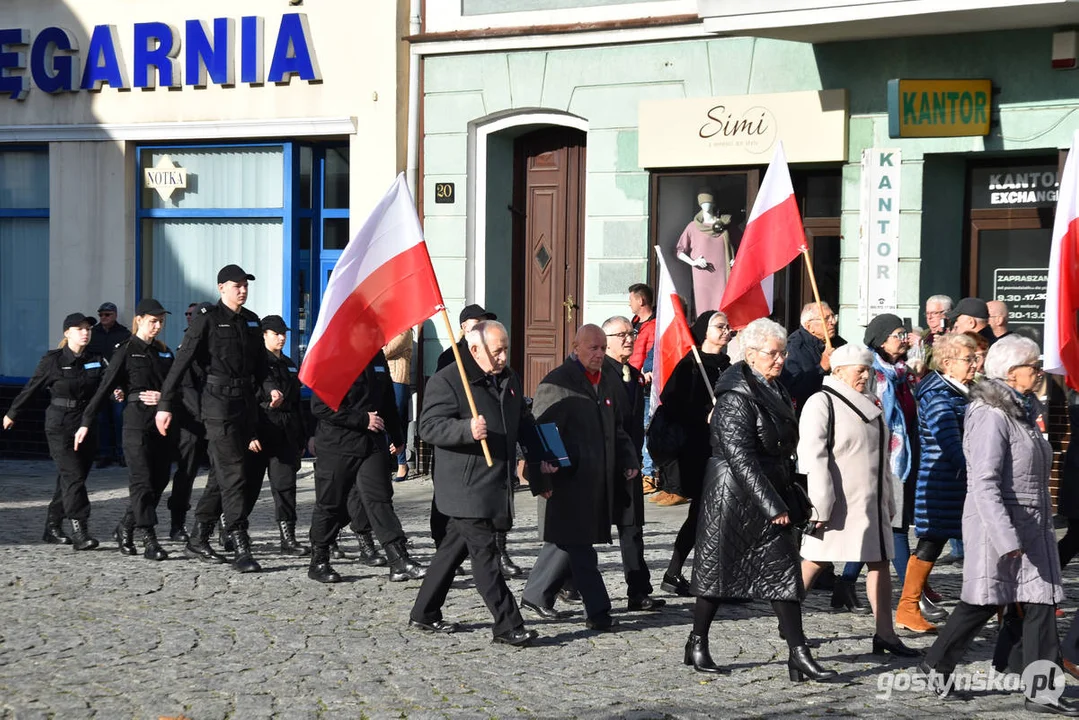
[
  {"x": 742, "y": 129},
  {"x": 878, "y": 233},
  {"x": 51, "y": 59},
  {"x": 1023, "y": 290},
  {"x": 165, "y": 177},
  {"x": 939, "y": 108},
  {"x": 1014, "y": 187}
]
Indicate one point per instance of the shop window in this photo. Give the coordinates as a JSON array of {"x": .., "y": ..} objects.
[{"x": 24, "y": 260}]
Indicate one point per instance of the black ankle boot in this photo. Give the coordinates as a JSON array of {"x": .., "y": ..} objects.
[
  {"x": 845, "y": 596},
  {"x": 320, "y": 569},
  {"x": 224, "y": 539},
  {"x": 243, "y": 561},
  {"x": 54, "y": 534},
  {"x": 80, "y": 536},
  {"x": 151, "y": 548},
  {"x": 369, "y": 554},
  {"x": 505, "y": 562},
  {"x": 802, "y": 665},
  {"x": 697, "y": 655},
  {"x": 402, "y": 567},
  {"x": 675, "y": 584},
  {"x": 198, "y": 544},
  {"x": 177, "y": 530},
  {"x": 125, "y": 539},
  {"x": 289, "y": 544}
]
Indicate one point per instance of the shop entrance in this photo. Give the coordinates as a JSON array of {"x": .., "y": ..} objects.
[{"x": 547, "y": 258}]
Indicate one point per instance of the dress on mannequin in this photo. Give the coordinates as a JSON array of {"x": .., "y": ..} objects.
[{"x": 699, "y": 245}]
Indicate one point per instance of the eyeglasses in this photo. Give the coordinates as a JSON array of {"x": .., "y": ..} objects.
[
  {"x": 827, "y": 318},
  {"x": 189, "y": 313},
  {"x": 968, "y": 359},
  {"x": 624, "y": 335},
  {"x": 722, "y": 328},
  {"x": 901, "y": 335},
  {"x": 934, "y": 313},
  {"x": 772, "y": 354}
]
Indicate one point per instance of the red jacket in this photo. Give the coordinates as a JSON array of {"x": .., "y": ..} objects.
[{"x": 646, "y": 338}]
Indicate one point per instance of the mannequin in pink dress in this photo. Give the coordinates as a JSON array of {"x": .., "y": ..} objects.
[{"x": 708, "y": 253}]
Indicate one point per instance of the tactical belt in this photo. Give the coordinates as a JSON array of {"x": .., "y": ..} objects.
[
  {"x": 223, "y": 381},
  {"x": 65, "y": 403}
]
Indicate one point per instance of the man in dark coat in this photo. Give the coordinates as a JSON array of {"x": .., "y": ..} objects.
[
  {"x": 807, "y": 358},
  {"x": 585, "y": 404},
  {"x": 471, "y": 494}
]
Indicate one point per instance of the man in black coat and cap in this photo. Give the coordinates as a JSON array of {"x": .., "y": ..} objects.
[{"x": 807, "y": 354}]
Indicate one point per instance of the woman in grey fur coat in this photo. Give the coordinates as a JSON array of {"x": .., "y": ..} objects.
[{"x": 1011, "y": 554}]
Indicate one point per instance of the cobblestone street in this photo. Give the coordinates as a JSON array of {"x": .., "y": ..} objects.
[{"x": 100, "y": 635}]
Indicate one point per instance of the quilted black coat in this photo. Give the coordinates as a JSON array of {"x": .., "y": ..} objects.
[{"x": 740, "y": 553}]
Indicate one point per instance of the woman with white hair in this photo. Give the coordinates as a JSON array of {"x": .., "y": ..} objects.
[
  {"x": 843, "y": 451},
  {"x": 746, "y": 546},
  {"x": 1011, "y": 554}
]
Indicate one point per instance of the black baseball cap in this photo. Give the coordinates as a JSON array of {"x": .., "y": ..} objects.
[
  {"x": 972, "y": 306},
  {"x": 76, "y": 319},
  {"x": 149, "y": 306},
  {"x": 235, "y": 273},
  {"x": 275, "y": 323},
  {"x": 107, "y": 307},
  {"x": 476, "y": 312}
]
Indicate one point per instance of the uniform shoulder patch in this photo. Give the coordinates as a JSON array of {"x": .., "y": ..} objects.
[{"x": 204, "y": 310}]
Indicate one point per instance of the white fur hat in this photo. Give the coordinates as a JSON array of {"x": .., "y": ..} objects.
[{"x": 851, "y": 354}]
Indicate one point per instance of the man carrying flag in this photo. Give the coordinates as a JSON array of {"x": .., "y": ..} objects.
[{"x": 382, "y": 283}]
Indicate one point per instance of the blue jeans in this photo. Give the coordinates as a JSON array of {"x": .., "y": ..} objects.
[
  {"x": 957, "y": 547},
  {"x": 110, "y": 430},
  {"x": 401, "y": 394},
  {"x": 646, "y": 463},
  {"x": 899, "y": 562}
]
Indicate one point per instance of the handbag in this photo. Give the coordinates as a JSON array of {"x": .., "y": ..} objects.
[
  {"x": 799, "y": 506},
  {"x": 666, "y": 437}
]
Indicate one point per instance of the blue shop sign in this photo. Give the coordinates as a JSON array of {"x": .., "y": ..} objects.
[{"x": 51, "y": 60}]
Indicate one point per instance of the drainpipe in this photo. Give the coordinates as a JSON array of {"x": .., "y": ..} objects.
[{"x": 412, "y": 160}]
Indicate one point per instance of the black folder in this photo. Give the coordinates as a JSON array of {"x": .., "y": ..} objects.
[{"x": 543, "y": 443}]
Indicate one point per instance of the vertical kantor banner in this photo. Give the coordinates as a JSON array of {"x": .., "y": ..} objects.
[{"x": 878, "y": 233}]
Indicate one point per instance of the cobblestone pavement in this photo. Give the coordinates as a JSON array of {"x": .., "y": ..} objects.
[{"x": 96, "y": 634}]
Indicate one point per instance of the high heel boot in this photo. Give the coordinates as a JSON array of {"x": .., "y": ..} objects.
[
  {"x": 845, "y": 595},
  {"x": 697, "y": 655},
  {"x": 801, "y": 665}
]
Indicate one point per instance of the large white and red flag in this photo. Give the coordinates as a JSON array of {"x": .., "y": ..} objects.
[
  {"x": 382, "y": 284},
  {"x": 1061, "y": 351},
  {"x": 774, "y": 236},
  {"x": 673, "y": 336}
]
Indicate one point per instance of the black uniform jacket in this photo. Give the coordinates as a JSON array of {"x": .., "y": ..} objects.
[
  {"x": 135, "y": 366},
  {"x": 345, "y": 431},
  {"x": 229, "y": 347},
  {"x": 71, "y": 381},
  {"x": 284, "y": 424},
  {"x": 629, "y": 499},
  {"x": 464, "y": 486}
]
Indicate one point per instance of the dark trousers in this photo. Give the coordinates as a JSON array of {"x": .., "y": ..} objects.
[
  {"x": 149, "y": 459},
  {"x": 1068, "y": 545},
  {"x": 684, "y": 540},
  {"x": 631, "y": 543},
  {"x": 1039, "y": 635},
  {"x": 1070, "y": 648},
  {"x": 228, "y": 450},
  {"x": 475, "y": 538},
  {"x": 401, "y": 396},
  {"x": 110, "y": 426},
  {"x": 502, "y": 524},
  {"x": 191, "y": 453},
  {"x": 281, "y": 462},
  {"x": 929, "y": 548},
  {"x": 357, "y": 515},
  {"x": 70, "y": 499},
  {"x": 335, "y": 476},
  {"x": 552, "y": 566}
]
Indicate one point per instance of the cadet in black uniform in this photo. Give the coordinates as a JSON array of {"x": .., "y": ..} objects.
[
  {"x": 282, "y": 436},
  {"x": 138, "y": 367},
  {"x": 71, "y": 375},
  {"x": 226, "y": 342},
  {"x": 352, "y": 450}
]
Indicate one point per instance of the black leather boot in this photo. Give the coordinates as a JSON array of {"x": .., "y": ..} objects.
[
  {"x": 80, "y": 536},
  {"x": 243, "y": 561},
  {"x": 198, "y": 545},
  {"x": 698, "y": 656},
  {"x": 177, "y": 530},
  {"x": 54, "y": 533},
  {"x": 125, "y": 539},
  {"x": 369, "y": 554},
  {"x": 845, "y": 596},
  {"x": 402, "y": 567},
  {"x": 505, "y": 562},
  {"x": 224, "y": 539},
  {"x": 320, "y": 569},
  {"x": 801, "y": 665},
  {"x": 675, "y": 584},
  {"x": 289, "y": 544},
  {"x": 151, "y": 548}
]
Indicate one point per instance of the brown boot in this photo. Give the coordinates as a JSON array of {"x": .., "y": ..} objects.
[
  {"x": 672, "y": 500},
  {"x": 657, "y": 496},
  {"x": 648, "y": 484},
  {"x": 907, "y": 614}
]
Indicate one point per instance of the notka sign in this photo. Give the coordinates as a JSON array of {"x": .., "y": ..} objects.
[
  {"x": 939, "y": 108},
  {"x": 51, "y": 59}
]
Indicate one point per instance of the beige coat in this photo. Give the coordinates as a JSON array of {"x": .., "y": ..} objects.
[
  {"x": 851, "y": 485},
  {"x": 399, "y": 357}
]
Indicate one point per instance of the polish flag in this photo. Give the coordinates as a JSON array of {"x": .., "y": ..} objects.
[
  {"x": 1061, "y": 351},
  {"x": 774, "y": 236},
  {"x": 673, "y": 336},
  {"x": 382, "y": 284}
]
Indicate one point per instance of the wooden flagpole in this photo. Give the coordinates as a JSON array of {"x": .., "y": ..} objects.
[
  {"x": 816, "y": 296},
  {"x": 464, "y": 381},
  {"x": 700, "y": 366}
]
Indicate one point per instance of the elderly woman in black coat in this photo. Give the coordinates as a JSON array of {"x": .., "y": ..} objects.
[{"x": 745, "y": 544}]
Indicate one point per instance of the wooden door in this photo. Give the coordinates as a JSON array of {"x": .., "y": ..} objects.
[{"x": 547, "y": 244}]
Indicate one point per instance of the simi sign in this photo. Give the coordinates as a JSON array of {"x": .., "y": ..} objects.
[
  {"x": 939, "y": 108},
  {"x": 52, "y": 60}
]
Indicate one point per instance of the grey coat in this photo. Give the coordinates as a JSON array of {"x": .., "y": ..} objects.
[
  {"x": 1007, "y": 506},
  {"x": 592, "y": 493}
]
